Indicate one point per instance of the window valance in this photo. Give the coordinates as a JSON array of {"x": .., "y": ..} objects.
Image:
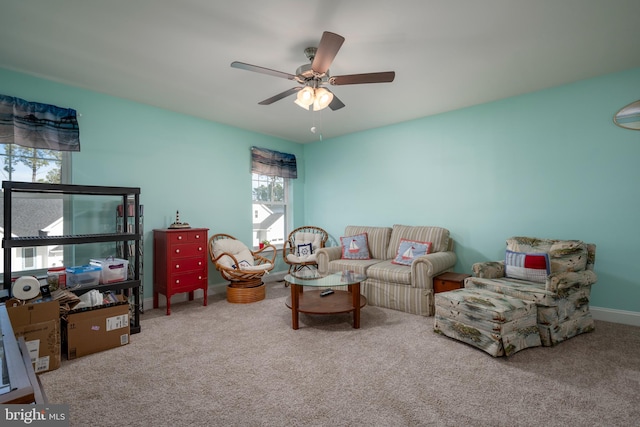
[
  {"x": 35, "y": 125},
  {"x": 273, "y": 163}
]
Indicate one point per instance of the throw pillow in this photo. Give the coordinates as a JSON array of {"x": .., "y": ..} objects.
[
  {"x": 355, "y": 247},
  {"x": 243, "y": 264},
  {"x": 305, "y": 250},
  {"x": 408, "y": 250},
  {"x": 534, "y": 267}
]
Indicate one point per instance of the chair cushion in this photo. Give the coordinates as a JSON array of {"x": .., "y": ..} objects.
[
  {"x": 302, "y": 238},
  {"x": 236, "y": 248},
  {"x": 295, "y": 259},
  {"x": 521, "y": 265},
  {"x": 355, "y": 247},
  {"x": 377, "y": 238},
  {"x": 304, "y": 250},
  {"x": 437, "y": 235},
  {"x": 410, "y": 250}
]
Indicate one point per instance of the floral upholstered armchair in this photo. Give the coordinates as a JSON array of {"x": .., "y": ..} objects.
[{"x": 556, "y": 274}]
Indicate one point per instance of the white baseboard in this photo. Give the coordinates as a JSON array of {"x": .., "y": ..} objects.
[
  {"x": 616, "y": 316},
  {"x": 216, "y": 289}
]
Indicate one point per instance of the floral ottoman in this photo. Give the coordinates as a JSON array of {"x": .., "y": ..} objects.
[{"x": 498, "y": 324}]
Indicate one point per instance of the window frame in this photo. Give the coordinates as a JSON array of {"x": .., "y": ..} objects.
[{"x": 286, "y": 205}]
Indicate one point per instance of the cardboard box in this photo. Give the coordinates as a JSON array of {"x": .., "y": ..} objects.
[
  {"x": 88, "y": 331},
  {"x": 39, "y": 324}
]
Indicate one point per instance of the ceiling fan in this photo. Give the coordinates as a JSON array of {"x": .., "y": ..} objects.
[{"x": 312, "y": 77}]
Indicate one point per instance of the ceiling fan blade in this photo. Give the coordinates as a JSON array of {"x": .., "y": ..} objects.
[
  {"x": 335, "y": 103},
  {"x": 279, "y": 96},
  {"x": 354, "y": 79},
  {"x": 262, "y": 70},
  {"x": 328, "y": 48}
]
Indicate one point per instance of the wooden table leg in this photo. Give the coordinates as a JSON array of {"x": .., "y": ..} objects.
[
  {"x": 295, "y": 299},
  {"x": 355, "y": 294}
]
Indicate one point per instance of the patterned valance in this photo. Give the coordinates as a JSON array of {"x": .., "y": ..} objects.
[
  {"x": 273, "y": 163},
  {"x": 35, "y": 125}
]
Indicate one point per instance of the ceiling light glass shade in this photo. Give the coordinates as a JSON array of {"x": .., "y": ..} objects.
[
  {"x": 323, "y": 99},
  {"x": 305, "y": 97}
]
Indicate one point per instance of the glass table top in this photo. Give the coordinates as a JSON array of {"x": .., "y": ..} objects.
[{"x": 313, "y": 278}]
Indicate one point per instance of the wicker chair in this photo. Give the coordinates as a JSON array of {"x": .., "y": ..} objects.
[
  {"x": 242, "y": 267},
  {"x": 299, "y": 250}
]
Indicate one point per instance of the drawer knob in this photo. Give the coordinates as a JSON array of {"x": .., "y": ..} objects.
[
  {"x": 179, "y": 237},
  {"x": 177, "y": 266},
  {"x": 200, "y": 248},
  {"x": 199, "y": 262},
  {"x": 177, "y": 251},
  {"x": 177, "y": 281},
  {"x": 199, "y": 277},
  {"x": 197, "y": 236}
]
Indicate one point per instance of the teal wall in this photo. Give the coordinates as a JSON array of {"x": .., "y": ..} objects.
[
  {"x": 198, "y": 167},
  {"x": 546, "y": 164}
]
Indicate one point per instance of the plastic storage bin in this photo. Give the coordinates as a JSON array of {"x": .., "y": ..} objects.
[
  {"x": 113, "y": 269},
  {"x": 84, "y": 275}
]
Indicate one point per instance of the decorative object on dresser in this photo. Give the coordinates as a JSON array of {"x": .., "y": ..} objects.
[
  {"x": 179, "y": 263},
  {"x": 449, "y": 281},
  {"x": 242, "y": 267},
  {"x": 179, "y": 224}
]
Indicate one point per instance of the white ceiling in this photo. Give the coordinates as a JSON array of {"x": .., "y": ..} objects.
[{"x": 447, "y": 54}]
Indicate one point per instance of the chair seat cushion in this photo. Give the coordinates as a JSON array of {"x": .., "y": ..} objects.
[
  {"x": 260, "y": 267},
  {"x": 294, "y": 259},
  {"x": 387, "y": 271},
  {"x": 523, "y": 289},
  {"x": 236, "y": 248}
]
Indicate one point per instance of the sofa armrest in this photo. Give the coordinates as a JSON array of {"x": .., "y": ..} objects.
[
  {"x": 324, "y": 255},
  {"x": 557, "y": 282},
  {"x": 425, "y": 267},
  {"x": 488, "y": 269}
]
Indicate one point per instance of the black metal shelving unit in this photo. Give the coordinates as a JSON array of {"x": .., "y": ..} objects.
[{"x": 8, "y": 242}]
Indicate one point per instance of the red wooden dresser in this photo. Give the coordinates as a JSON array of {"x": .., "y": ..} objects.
[{"x": 180, "y": 263}]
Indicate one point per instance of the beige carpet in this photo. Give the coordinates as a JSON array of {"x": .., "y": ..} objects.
[{"x": 243, "y": 365}]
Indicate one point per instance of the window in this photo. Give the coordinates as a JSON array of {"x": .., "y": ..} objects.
[
  {"x": 28, "y": 258},
  {"x": 33, "y": 215},
  {"x": 270, "y": 209}
]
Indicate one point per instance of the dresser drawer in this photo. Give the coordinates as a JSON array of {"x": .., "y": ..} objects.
[
  {"x": 188, "y": 236},
  {"x": 188, "y": 250},
  {"x": 183, "y": 265},
  {"x": 187, "y": 281}
]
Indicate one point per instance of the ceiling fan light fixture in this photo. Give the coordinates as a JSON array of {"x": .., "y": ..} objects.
[
  {"x": 305, "y": 97},
  {"x": 323, "y": 99}
]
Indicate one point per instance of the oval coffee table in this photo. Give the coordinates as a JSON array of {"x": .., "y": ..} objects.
[{"x": 339, "y": 301}]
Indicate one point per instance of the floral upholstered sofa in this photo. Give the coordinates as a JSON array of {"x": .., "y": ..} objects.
[
  {"x": 400, "y": 263},
  {"x": 555, "y": 274}
]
